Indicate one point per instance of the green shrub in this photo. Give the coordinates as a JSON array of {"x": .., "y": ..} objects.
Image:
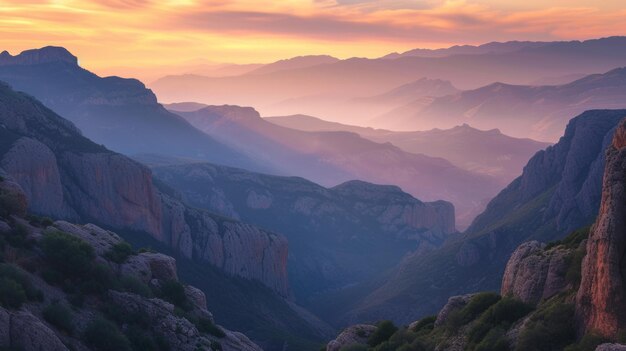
[
  {"x": 68, "y": 254},
  {"x": 426, "y": 323},
  {"x": 18, "y": 237},
  {"x": 205, "y": 325},
  {"x": 60, "y": 316},
  {"x": 99, "y": 280},
  {"x": 216, "y": 346},
  {"x": 495, "y": 340},
  {"x": 11, "y": 272},
  {"x": 573, "y": 274},
  {"x": 102, "y": 335},
  {"x": 135, "y": 286},
  {"x": 384, "y": 331},
  {"x": 174, "y": 292},
  {"x": 550, "y": 328},
  {"x": 478, "y": 304},
  {"x": 12, "y": 294},
  {"x": 120, "y": 252}
]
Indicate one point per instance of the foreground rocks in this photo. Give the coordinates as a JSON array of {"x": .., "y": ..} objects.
[
  {"x": 533, "y": 275},
  {"x": 353, "y": 335},
  {"x": 601, "y": 299},
  {"x": 64, "y": 175}
]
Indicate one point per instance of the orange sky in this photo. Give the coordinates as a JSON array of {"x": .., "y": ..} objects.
[{"x": 133, "y": 37}]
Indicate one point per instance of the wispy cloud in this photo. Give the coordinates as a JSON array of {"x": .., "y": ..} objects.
[{"x": 144, "y": 32}]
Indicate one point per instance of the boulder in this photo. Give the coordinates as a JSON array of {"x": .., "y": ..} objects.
[
  {"x": 101, "y": 240},
  {"x": 454, "y": 303},
  {"x": 28, "y": 333},
  {"x": 353, "y": 335},
  {"x": 533, "y": 274},
  {"x": 196, "y": 296}
]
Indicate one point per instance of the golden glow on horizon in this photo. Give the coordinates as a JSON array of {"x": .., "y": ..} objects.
[{"x": 130, "y": 37}]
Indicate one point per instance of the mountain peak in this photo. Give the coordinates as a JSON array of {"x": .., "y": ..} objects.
[{"x": 39, "y": 56}]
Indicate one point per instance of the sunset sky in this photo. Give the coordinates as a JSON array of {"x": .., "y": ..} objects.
[{"x": 123, "y": 36}]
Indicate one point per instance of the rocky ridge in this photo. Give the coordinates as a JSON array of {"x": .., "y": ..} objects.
[
  {"x": 65, "y": 175},
  {"x": 601, "y": 299},
  {"x": 30, "y": 327}
]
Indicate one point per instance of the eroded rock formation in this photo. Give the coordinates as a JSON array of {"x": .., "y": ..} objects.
[{"x": 601, "y": 299}]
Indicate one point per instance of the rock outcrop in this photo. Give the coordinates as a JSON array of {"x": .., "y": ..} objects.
[
  {"x": 65, "y": 175},
  {"x": 455, "y": 303},
  {"x": 336, "y": 235},
  {"x": 351, "y": 336},
  {"x": 44, "y": 55},
  {"x": 534, "y": 274},
  {"x": 558, "y": 192},
  {"x": 23, "y": 331},
  {"x": 601, "y": 299},
  {"x": 611, "y": 347}
]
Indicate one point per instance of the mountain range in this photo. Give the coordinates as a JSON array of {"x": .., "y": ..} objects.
[
  {"x": 119, "y": 113},
  {"x": 539, "y": 112},
  {"x": 559, "y": 191},
  {"x": 328, "y": 85},
  {"x": 331, "y": 158},
  {"x": 482, "y": 151}
]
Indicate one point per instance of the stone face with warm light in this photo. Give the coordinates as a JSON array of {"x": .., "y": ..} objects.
[{"x": 601, "y": 299}]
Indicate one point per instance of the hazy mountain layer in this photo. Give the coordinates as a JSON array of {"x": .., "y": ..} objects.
[
  {"x": 558, "y": 192},
  {"x": 539, "y": 112},
  {"x": 489, "y": 152},
  {"x": 331, "y": 158}
]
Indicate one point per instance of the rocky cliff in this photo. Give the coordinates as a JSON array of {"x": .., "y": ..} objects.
[
  {"x": 337, "y": 236},
  {"x": 135, "y": 303},
  {"x": 601, "y": 299},
  {"x": 65, "y": 175},
  {"x": 558, "y": 192}
]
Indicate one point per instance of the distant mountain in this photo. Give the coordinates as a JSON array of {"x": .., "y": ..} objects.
[
  {"x": 489, "y": 48},
  {"x": 119, "y": 113},
  {"x": 539, "y": 112},
  {"x": 337, "y": 236},
  {"x": 64, "y": 175},
  {"x": 294, "y": 63},
  {"x": 558, "y": 192},
  {"x": 487, "y": 152},
  {"x": 331, "y": 158},
  {"x": 324, "y": 90},
  {"x": 409, "y": 92}
]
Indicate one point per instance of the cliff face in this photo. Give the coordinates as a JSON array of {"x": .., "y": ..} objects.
[
  {"x": 534, "y": 274},
  {"x": 601, "y": 299},
  {"x": 65, "y": 175},
  {"x": 559, "y": 191},
  {"x": 337, "y": 236},
  {"x": 25, "y": 329}
]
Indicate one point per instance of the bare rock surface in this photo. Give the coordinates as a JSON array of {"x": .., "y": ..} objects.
[
  {"x": 611, "y": 347},
  {"x": 601, "y": 299},
  {"x": 534, "y": 274},
  {"x": 353, "y": 335},
  {"x": 454, "y": 303}
]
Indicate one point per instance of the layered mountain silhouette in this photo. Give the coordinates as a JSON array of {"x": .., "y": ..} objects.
[
  {"x": 330, "y": 158},
  {"x": 119, "y": 113},
  {"x": 558, "y": 192},
  {"x": 539, "y": 112},
  {"x": 483, "y": 151},
  {"x": 64, "y": 175},
  {"x": 320, "y": 89}
]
